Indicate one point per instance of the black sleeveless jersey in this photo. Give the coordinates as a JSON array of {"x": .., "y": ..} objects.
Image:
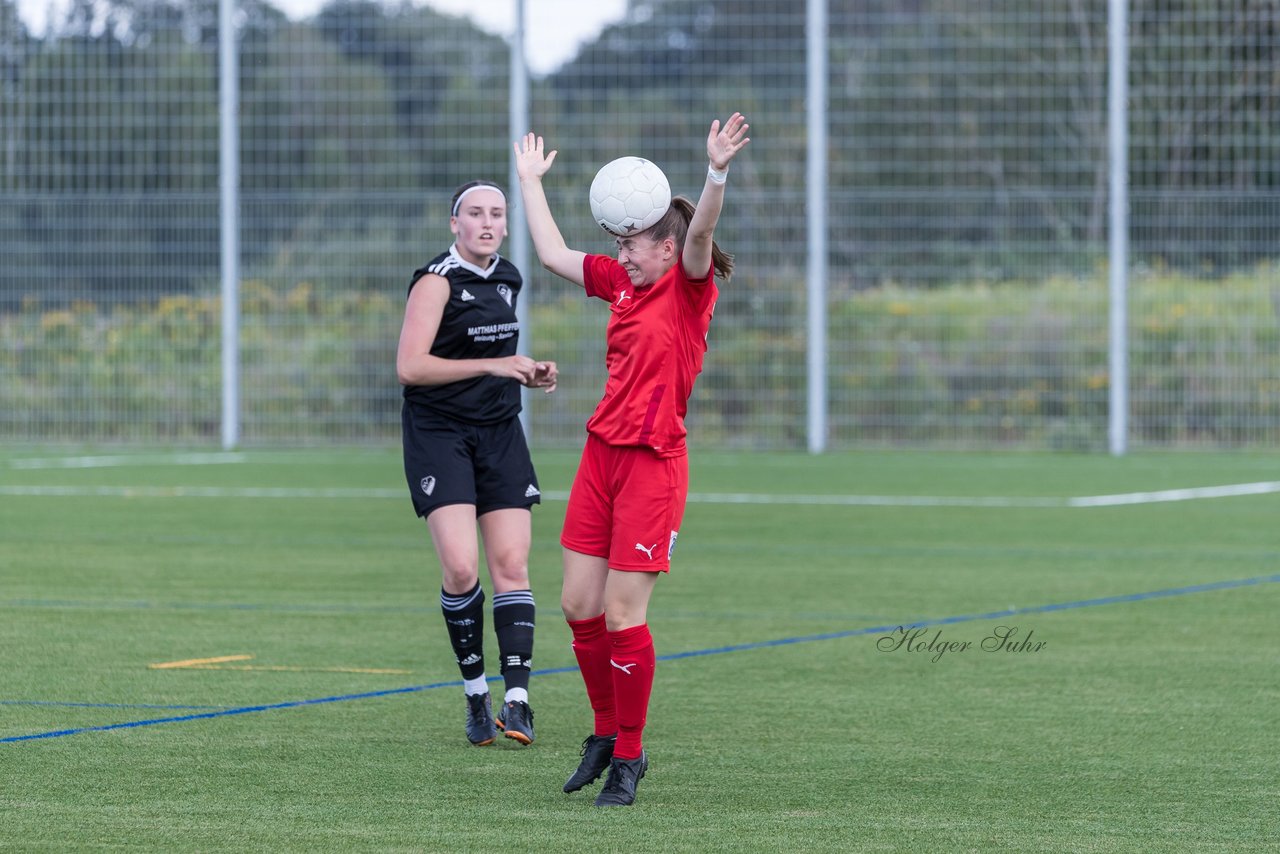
[{"x": 479, "y": 322}]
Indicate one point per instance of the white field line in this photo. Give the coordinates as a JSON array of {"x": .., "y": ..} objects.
[
  {"x": 97, "y": 462},
  {"x": 875, "y": 500},
  {"x": 1082, "y": 501},
  {"x": 1229, "y": 491},
  {"x": 200, "y": 492}
]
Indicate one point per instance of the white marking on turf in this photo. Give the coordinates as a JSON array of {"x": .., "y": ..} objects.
[
  {"x": 198, "y": 492},
  {"x": 1228, "y": 491},
  {"x": 127, "y": 460},
  {"x": 875, "y": 500},
  {"x": 1166, "y": 495}
]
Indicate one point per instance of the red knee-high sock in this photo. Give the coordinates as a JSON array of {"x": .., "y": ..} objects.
[
  {"x": 632, "y": 662},
  {"x": 591, "y": 646}
]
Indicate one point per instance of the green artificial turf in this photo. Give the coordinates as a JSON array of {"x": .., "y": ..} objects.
[{"x": 788, "y": 713}]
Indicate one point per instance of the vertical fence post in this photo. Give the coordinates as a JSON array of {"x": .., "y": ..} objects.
[
  {"x": 816, "y": 218},
  {"x": 1118, "y": 226},
  {"x": 518, "y": 235},
  {"x": 229, "y": 203}
]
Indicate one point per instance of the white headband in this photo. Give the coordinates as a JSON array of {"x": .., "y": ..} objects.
[{"x": 458, "y": 204}]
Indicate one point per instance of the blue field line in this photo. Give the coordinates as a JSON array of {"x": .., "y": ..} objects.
[
  {"x": 222, "y": 713},
  {"x": 989, "y": 615},
  {"x": 938, "y": 621}
]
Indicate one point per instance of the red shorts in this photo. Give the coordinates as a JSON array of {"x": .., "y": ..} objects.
[{"x": 626, "y": 505}]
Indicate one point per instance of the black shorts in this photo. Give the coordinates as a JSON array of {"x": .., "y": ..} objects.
[{"x": 451, "y": 462}]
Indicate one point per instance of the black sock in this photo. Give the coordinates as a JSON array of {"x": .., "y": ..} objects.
[
  {"x": 464, "y": 618},
  {"x": 513, "y": 614}
]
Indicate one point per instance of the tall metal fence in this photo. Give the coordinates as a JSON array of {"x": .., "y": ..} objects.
[{"x": 967, "y": 228}]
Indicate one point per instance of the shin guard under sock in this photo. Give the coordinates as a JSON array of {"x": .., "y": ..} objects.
[
  {"x": 591, "y": 647},
  {"x": 632, "y": 662},
  {"x": 464, "y": 618},
  {"x": 513, "y": 620}
]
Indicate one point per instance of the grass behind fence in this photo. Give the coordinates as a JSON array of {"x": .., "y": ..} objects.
[{"x": 971, "y": 365}]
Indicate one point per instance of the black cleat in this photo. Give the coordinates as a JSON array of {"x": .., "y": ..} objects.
[
  {"x": 620, "y": 786},
  {"x": 597, "y": 750},
  {"x": 516, "y": 719},
  {"x": 480, "y": 728}
]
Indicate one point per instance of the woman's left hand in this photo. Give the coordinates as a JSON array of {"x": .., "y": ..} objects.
[
  {"x": 724, "y": 143},
  {"x": 545, "y": 376}
]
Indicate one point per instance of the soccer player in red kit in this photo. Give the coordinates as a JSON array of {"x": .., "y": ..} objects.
[{"x": 629, "y": 493}]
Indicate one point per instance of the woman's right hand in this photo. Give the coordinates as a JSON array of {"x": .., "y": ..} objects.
[
  {"x": 517, "y": 367},
  {"x": 531, "y": 161}
]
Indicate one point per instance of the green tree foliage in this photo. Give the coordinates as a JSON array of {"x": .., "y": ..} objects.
[
  {"x": 1206, "y": 132},
  {"x": 15, "y": 43},
  {"x": 985, "y": 131},
  {"x": 968, "y": 143}
]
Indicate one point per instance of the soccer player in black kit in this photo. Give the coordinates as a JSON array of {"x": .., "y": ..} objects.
[{"x": 465, "y": 455}]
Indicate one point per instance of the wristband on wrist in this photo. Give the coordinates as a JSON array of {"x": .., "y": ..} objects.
[{"x": 716, "y": 175}]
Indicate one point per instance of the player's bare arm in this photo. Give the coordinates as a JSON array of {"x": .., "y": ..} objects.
[
  {"x": 533, "y": 162},
  {"x": 723, "y": 144},
  {"x": 414, "y": 363}
]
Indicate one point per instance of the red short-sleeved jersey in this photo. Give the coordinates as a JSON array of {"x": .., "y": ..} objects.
[{"x": 655, "y": 341}]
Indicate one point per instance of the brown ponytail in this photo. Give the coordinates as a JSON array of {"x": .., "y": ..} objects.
[{"x": 675, "y": 224}]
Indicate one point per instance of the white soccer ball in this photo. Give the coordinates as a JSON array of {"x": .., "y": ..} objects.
[{"x": 629, "y": 195}]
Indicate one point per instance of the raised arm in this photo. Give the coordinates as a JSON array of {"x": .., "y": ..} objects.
[
  {"x": 722, "y": 145},
  {"x": 555, "y": 255}
]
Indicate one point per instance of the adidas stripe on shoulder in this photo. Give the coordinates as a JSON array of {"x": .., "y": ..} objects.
[{"x": 443, "y": 267}]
